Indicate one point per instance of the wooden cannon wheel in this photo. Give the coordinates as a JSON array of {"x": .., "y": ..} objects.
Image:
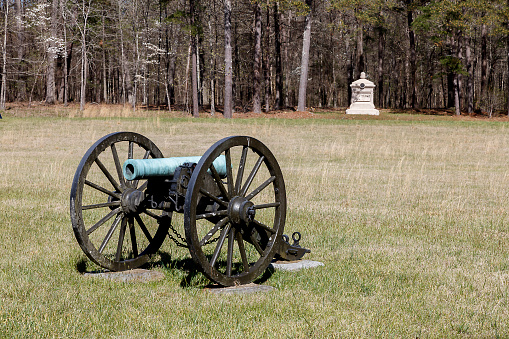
[
  {"x": 235, "y": 241},
  {"x": 108, "y": 222}
]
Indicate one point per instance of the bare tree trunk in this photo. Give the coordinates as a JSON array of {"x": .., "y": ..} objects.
[
  {"x": 450, "y": 74},
  {"x": 266, "y": 66},
  {"x": 257, "y": 107},
  {"x": 286, "y": 33},
  {"x": 136, "y": 72},
  {"x": 456, "y": 79},
  {"x": 68, "y": 60},
  {"x": 187, "y": 77},
  {"x": 122, "y": 56},
  {"x": 411, "y": 38},
  {"x": 170, "y": 68},
  {"x": 67, "y": 54},
  {"x": 228, "y": 76},
  {"x": 459, "y": 54},
  {"x": 194, "y": 60},
  {"x": 334, "y": 84},
  {"x": 194, "y": 77},
  {"x": 279, "y": 69},
  {"x": 212, "y": 70},
  {"x": 431, "y": 71},
  {"x": 83, "y": 76},
  {"x": 167, "y": 92},
  {"x": 199, "y": 75},
  {"x": 237, "y": 91},
  {"x": 50, "y": 70},
  {"x": 349, "y": 69},
  {"x": 381, "y": 42},
  {"x": 21, "y": 92},
  {"x": 4, "y": 61},
  {"x": 85, "y": 10},
  {"x": 450, "y": 89},
  {"x": 306, "y": 43},
  {"x": 360, "y": 50},
  {"x": 507, "y": 51},
  {"x": 484, "y": 65},
  {"x": 103, "y": 50},
  {"x": 457, "y": 107},
  {"x": 470, "y": 77}
]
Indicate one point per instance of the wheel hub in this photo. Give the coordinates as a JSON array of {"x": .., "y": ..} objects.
[
  {"x": 131, "y": 200},
  {"x": 241, "y": 211}
]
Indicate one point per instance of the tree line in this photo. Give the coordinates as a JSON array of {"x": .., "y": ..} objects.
[{"x": 255, "y": 55}]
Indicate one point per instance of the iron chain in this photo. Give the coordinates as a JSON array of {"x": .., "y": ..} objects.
[
  {"x": 181, "y": 238},
  {"x": 183, "y": 242}
]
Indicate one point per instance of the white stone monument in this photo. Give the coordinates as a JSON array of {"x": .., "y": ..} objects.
[{"x": 362, "y": 97}]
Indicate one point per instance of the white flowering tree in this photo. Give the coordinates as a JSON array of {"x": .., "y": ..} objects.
[
  {"x": 41, "y": 20},
  {"x": 79, "y": 13}
]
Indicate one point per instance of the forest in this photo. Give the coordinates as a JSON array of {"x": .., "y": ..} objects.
[{"x": 255, "y": 55}]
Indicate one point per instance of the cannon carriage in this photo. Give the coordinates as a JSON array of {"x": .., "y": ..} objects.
[{"x": 125, "y": 197}]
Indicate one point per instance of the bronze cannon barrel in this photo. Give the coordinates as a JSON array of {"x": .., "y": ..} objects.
[{"x": 164, "y": 167}]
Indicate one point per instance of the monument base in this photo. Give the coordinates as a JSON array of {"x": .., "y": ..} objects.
[{"x": 363, "y": 111}]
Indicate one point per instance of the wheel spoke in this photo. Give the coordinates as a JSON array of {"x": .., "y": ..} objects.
[
  {"x": 252, "y": 175},
  {"x": 261, "y": 188},
  {"x": 103, "y": 220},
  {"x": 108, "y": 175},
  {"x": 121, "y": 239},
  {"x": 102, "y": 189},
  {"x": 242, "y": 251},
  {"x": 262, "y": 206},
  {"x": 219, "y": 245},
  {"x": 130, "y": 152},
  {"x": 211, "y": 214},
  {"x": 143, "y": 186},
  {"x": 117, "y": 165},
  {"x": 240, "y": 172},
  {"x": 256, "y": 244},
  {"x": 132, "y": 232},
  {"x": 229, "y": 254},
  {"x": 218, "y": 181},
  {"x": 211, "y": 196},
  {"x": 143, "y": 227},
  {"x": 105, "y": 204},
  {"x": 265, "y": 227},
  {"x": 152, "y": 214},
  {"x": 213, "y": 231},
  {"x": 229, "y": 174},
  {"x": 110, "y": 233}
]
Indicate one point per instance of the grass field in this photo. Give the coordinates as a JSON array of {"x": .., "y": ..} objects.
[{"x": 409, "y": 216}]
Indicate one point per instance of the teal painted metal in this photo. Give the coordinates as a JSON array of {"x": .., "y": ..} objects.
[{"x": 164, "y": 167}]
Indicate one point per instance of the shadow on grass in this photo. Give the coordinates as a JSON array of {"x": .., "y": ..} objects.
[
  {"x": 193, "y": 276},
  {"x": 81, "y": 265}
]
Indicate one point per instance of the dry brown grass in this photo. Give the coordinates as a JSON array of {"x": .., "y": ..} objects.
[{"x": 93, "y": 110}]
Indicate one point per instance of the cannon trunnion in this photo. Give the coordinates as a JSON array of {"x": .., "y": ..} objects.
[{"x": 233, "y": 199}]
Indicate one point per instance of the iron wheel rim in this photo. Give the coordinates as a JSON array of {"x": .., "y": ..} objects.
[
  {"x": 125, "y": 222},
  {"x": 236, "y": 190}
]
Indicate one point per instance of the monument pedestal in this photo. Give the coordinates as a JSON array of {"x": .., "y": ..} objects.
[
  {"x": 362, "y": 110},
  {"x": 362, "y": 97}
]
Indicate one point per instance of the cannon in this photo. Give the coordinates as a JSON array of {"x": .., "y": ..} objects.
[{"x": 126, "y": 198}]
